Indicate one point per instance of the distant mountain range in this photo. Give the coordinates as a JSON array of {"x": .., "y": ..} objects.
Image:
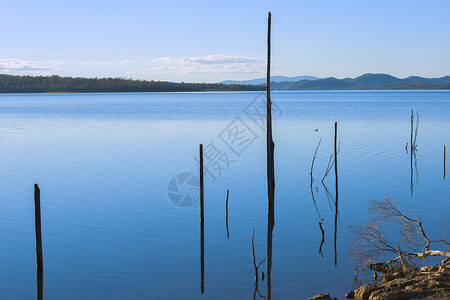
[
  {"x": 259, "y": 81},
  {"x": 364, "y": 82},
  {"x": 367, "y": 82}
]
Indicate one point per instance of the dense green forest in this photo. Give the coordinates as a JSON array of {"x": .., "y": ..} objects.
[{"x": 57, "y": 84}]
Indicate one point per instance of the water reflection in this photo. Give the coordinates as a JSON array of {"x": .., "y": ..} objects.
[
  {"x": 444, "y": 162},
  {"x": 323, "y": 237},
  {"x": 413, "y": 149},
  {"x": 256, "y": 290},
  {"x": 270, "y": 225},
  {"x": 331, "y": 201},
  {"x": 202, "y": 257},
  {"x": 39, "y": 284},
  {"x": 226, "y": 214},
  {"x": 314, "y": 201},
  {"x": 414, "y": 169}
]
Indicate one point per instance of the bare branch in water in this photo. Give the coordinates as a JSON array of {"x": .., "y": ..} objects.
[
  {"x": 371, "y": 242},
  {"x": 323, "y": 237},
  {"x": 312, "y": 163},
  {"x": 256, "y": 267}
]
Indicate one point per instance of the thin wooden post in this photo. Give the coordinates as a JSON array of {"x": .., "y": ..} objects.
[
  {"x": 201, "y": 185},
  {"x": 335, "y": 159},
  {"x": 336, "y": 191},
  {"x": 38, "y": 234},
  {"x": 270, "y": 168},
  {"x": 412, "y": 125},
  {"x": 37, "y": 223},
  {"x": 202, "y": 225},
  {"x": 270, "y": 144},
  {"x": 444, "y": 162}
]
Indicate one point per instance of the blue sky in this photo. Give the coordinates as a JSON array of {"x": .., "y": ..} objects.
[{"x": 209, "y": 41}]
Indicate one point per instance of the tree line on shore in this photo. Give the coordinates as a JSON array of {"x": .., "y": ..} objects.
[{"x": 58, "y": 84}]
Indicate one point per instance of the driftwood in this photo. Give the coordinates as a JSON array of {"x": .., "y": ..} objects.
[{"x": 370, "y": 241}]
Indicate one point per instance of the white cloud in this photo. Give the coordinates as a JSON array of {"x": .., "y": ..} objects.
[
  {"x": 20, "y": 65},
  {"x": 128, "y": 61},
  {"x": 96, "y": 62},
  {"x": 218, "y": 63}
]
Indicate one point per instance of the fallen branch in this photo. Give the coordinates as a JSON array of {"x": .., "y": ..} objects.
[{"x": 370, "y": 241}]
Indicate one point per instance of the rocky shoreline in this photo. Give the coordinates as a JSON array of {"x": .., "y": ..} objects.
[{"x": 431, "y": 282}]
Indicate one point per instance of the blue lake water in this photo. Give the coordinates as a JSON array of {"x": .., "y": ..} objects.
[{"x": 110, "y": 231}]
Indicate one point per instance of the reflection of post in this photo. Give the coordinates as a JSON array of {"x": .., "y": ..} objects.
[
  {"x": 270, "y": 224},
  {"x": 323, "y": 237},
  {"x": 256, "y": 267},
  {"x": 39, "y": 260},
  {"x": 226, "y": 217},
  {"x": 40, "y": 284},
  {"x": 202, "y": 225},
  {"x": 444, "y": 162},
  {"x": 336, "y": 187}
]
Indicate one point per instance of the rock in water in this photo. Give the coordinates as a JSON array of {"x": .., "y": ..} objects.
[
  {"x": 350, "y": 295},
  {"x": 321, "y": 297}
]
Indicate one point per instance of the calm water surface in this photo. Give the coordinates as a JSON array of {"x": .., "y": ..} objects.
[{"x": 104, "y": 163}]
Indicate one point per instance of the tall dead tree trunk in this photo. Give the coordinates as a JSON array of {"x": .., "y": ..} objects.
[{"x": 270, "y": 170}]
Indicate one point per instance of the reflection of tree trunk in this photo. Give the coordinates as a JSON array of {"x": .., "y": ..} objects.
[
  {"x": 411, "y": 167},
  {"x": 202, "y": 257},
  {"x": 40, "y": 284},
  {"x": 226, "y": 218},
  {"x": 415, "y": 168},
  {"x": 270, "y": 225},
  {"x": 323, "y": 237},
  {"x": 336, "y": 187},
  {"x": 256, "y": 267},
  {"x": 202, "y": 225},
  {"x": 314, "y": 201},
  {"x": 329, "y": 196}
]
